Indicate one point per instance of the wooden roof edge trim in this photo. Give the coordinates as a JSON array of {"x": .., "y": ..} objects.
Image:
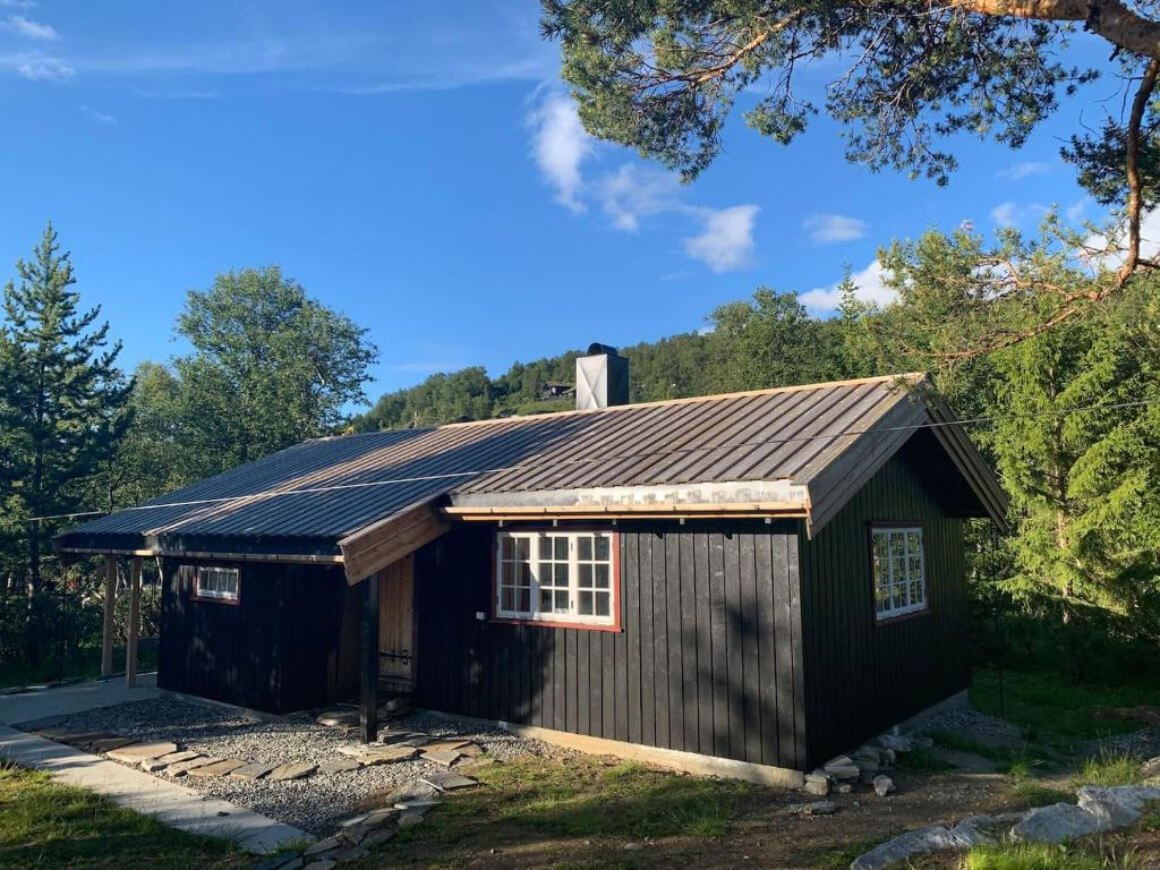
[
  {"x": 970, "y": 463},
  {"x": 912, "y": 378},
  {"x": 293, "y": 558},
  {"x": 797, "y": 509}
]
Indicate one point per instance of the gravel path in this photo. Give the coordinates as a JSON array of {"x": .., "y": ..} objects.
[
  {"x": 314, "y": 804},
  {"x": 988, "y": 730}
]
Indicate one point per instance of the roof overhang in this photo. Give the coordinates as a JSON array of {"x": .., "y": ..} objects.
[{"x": 374, "y": 547}]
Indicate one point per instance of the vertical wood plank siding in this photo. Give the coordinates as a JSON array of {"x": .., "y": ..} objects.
[
  {"x": 863, "y": 677},
  {"x": 698, "y": 666},
  {"x": 290, "y": 643}
]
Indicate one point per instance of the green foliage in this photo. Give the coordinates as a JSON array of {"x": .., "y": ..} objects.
[
  {"x": 1035, "y": 857},
  {"x": 62, "y": 404},
  {"x": 270, "y": 368},
  {"x": 1111, "y": 769}
]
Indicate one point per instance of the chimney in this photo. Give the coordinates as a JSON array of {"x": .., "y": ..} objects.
[{"x": 601, "y": 378}]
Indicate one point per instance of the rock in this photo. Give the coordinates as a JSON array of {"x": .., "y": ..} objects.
[
  {"x": 397, "y": 706},
  {"x": 417, "y": 790},
  {"x": 324, "y": 864},
  {"x": 921, "y": 741},
  {"x": 295, "y": 863},
  {"x": 339, "y": 718},
  {"x": 387, "y": 754},
  {"x": 633, "y": 847},
  {"x": 896, "y": 742},
  {"x": 417, "y": 805},
  {"x": 339, "y": 765},
  {"x": 108, "y": 744},
  {"x": 293, "y": 770},
  {"x": 256, "y": 770},
  {"x": 184, "y": 767},
  {"x": 815, "y": 808},
  {"x": 152, "y": 765},
  {"x": 1116, "y": 807},
  {"x": 349, "y": 856},
  {"x": 817, "y": 783},
  {"x": 883, "y": 785},
  {"x": 889, "y": 757},
  {"x": 471, "y": 750},
  {"x": 219, "y": 768},
  {"x": 1150, "y": 768},
  {"x": 845, "y": 788},
  {"x": 322, "y": 846},
  {"x": 449, "y": 781},
  {"x": 410, "y": 818},
  {"x": 445, "y": 745},
  {"x": 416, "y": 740},
  {"x": 137, "y": 752},
  {"x": 353, "y": 821},
  {"x": 377, "y": 838},
  {"x": 843, "y": 771},
  {"x": 445, "y": 758},
  {"x": 911, "y": 844},
  {"x": 1054, "y": 824}
]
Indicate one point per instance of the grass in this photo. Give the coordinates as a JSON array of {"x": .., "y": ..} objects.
[
  {"x": 1038, "y": 857},
  {"x": 1054, "y": 711},
  {"x": 85, "y": 665},
  {"x": 1110, "y": 769},
  {"x": 1035, "y": 794},
  {"x": 44, "y": 824},
  {"x": 581, "y": 805}
]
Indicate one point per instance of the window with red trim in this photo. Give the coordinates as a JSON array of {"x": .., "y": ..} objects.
[{"x": 557, "y": 576}]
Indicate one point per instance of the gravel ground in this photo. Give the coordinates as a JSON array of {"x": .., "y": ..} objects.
[
  {"x": 988, "y": 730},
  {"x": 315, "y": 804},
  {"x": 1142, "y": 744}
]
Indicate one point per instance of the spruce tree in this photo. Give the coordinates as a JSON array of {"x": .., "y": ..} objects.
[{"x": 62, "y": 402}]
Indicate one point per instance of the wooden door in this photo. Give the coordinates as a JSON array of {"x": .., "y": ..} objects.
[{"x": 397, "y": 626}]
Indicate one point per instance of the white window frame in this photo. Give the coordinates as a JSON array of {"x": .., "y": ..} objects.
[
  {"x": 546, "y": 538},
  {"x": 903, "y": 574},
  {"x": 206, "y": 592}
]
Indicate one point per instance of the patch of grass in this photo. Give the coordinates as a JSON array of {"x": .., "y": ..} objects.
[
  {"x": 1052, "y": 710},
  {"x": 44, "y": 824},
  {"x": 1037, "y": 857},
  {"x": 1111, "y": 769},
  {"x": 582, "y": 802}
]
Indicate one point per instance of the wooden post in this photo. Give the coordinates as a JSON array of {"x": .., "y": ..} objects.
[
  {"x": 110, "y": 612},
  {"x": 369, "y": 643},
  {"x": 134, "y": 623}
]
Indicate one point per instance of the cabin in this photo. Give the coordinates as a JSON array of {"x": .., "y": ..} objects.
[{"x": 767, "y": 577}]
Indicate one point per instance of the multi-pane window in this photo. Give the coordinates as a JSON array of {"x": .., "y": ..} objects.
[
  {"x": 220, "y": 584},
  {"x": 556, "y": 577},
  {"x": 899, "y": 571}
]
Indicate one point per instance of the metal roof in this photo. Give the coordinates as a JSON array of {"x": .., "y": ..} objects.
[{"x": 325, "y": 489}]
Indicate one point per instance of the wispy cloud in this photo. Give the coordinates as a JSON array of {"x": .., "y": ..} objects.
[
  {"x": 1025, "y": 169},
  {"x": 633, "y": 192},
  {"x": 559, "y": 146},
  {"x": 17, "y": 4},
  {"x": 31, "y": 29},
  {"x": 1012, "y": 214},
  {"x": 178, "y": 94},
  {"x": 871, "y": 287},
  {"x": 46, "y": 69},
  {"x": 528, "y": 69},
  {"x": 726, "y": 242},
  {"x": 99, "y": 117},
  {"x": 826, "y": 229}
]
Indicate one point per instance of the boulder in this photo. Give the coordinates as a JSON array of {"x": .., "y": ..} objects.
[
  {"x": 1150, "y": 768},
  {"x": 883, "y": 785},
  {"x": 1116, "y": 807},
  {"x": 1055, "y": 824},
  {"x": 896, "y": 742},
  {"x": 817, "y": 783},
  {"x": 814, "y": 808}
]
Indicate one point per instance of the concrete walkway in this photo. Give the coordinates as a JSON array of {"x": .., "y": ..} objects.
[
  {"x": 39, "y": 704},
  {"x": 178, "y": 807}
]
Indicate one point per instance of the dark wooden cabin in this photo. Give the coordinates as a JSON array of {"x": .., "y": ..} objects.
[{"x": 769, "y": 577}]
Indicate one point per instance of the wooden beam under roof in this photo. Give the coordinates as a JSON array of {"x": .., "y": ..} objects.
[{"x": 373, "y": 548}]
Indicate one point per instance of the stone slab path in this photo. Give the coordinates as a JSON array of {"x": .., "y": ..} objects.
[{"x": 171, "y": 804}]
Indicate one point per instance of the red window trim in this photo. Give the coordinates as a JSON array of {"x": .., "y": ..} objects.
[
  {"x": 211, "y": 599},
  {"x": 617, "y": 622}
]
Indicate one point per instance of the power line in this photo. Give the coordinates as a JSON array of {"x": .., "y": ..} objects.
[{"x": 677, "y": 451}]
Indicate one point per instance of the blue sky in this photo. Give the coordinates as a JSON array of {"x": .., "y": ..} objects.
[{"x": 419, "y": 167}]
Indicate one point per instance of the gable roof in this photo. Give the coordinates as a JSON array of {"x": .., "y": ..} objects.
[{"x": 790, "y": 451}]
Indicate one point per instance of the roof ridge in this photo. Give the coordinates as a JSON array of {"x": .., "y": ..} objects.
[{"x": 913, "y": 377}]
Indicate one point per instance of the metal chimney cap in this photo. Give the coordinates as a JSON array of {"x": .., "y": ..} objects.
[{"x": 598, "y": 348}]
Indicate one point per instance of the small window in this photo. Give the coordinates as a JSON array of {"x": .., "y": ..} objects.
[
  {"x": 899, "y": 571},
  {"x": 557, "y": 577},
  {"x": 217, "y": 584}
]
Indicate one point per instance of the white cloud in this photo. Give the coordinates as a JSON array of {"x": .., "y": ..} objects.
[
  {"x": 31, "y": 29},
  {"x": 1012, "y": 214},
  {"x": 99, "y": 117},
  {"x": 1076, "y": 210},
  {"x": 175, "y": 94},
  {"x": 634, "y": 192},
  {"x": 45, "y": 70},
  {"x": 726, "y": 243},
  {"x": 1019, "y": 171},
  {"x": 871, "y": 286},
  {"x": 825, "y": 229},
  {"x": 559, "y": 146}
]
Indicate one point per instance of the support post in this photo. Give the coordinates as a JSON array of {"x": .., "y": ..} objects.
[
  {"x": 369, "y": 643},
  {"x": 134, "y": 623},
  {"x": 110, "y": 612}
]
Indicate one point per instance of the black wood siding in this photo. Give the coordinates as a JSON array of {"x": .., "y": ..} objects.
[
  {"x": 290, "y": 644},
  {"x": 709, "y": 658},
  {"x": 862, "y": 677}
]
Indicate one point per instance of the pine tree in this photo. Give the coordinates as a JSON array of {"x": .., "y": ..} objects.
[{"x": 62, "y": 401}]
